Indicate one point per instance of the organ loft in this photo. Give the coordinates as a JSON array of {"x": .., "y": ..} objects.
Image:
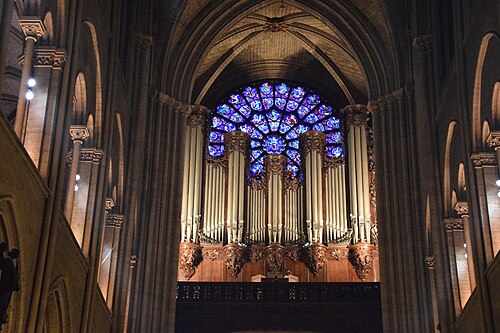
[{"x": 244, "y": 166}]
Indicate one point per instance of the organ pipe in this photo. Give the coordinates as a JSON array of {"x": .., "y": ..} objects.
[
  {"x": 275, "y": 166},
  {"x": 335, "y": 200}
]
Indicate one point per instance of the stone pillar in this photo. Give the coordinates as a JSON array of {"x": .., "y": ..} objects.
[
  {"x": 462, "y": 209},
  {"x": 5, "y": 23},
  {"x": 312, "y": 150},
  {"x": 78, "y": 134},
  {"x": 236, "y": 144},
  {"x": 275, "y": 167},
  {"x": 454, "y": 227},
  {"x": 357, "y": 151},
  {"x": 33, "y": 28},
  {"x": 193, "y": 157}
]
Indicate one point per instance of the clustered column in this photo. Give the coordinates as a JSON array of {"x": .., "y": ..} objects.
[
  {"x": 275, "y": 166},
  {"x": 357, "y": 150},
  {"x": 335, "y": 201},
  {"x": 78, "y": 133},
  {"x": 313, "y": 146},
  {"x": 193, "y": 157},
  {"x": 236, "y": 144},
  {"x": 33, "y": 28}
]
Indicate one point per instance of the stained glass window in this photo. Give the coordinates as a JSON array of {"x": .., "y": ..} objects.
[{"x": 275, "y": 114}]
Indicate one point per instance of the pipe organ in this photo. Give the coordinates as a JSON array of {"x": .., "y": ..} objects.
[{"x": 302, "y": 213}]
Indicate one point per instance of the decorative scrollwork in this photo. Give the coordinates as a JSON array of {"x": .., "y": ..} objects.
[
  {"x": 236, "y": 257},
  {"x": 236, "y": 141},
  {"x": 197, "y": 116},
  {"x": 314, "y": 257},
  {"x": 361, "y": 258},
  {"x": 356, "y": 115},
  {"x": 312, "y": 140},
  {"x": 212, "y": 255},
  {"x": 189, "y": 258},
  {"x": 274, "y": 164},
  {"x": 275, "y": 256}
]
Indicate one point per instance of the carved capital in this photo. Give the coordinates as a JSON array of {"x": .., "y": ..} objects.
[
  {"x": 133, "y": 261},
  {"x": 275, "y": 257},
  {"x": 91, "y": 155},
  {"x": 356, "y": 115},
  {"x": 422, "y": 44},
  {"x": 430, "y": 262},
  {"x": 143, "y": 41},
  {"x": 115, "y": 220},
  {"x": 109, "y": 203},
  {"x": 197, "y": 116},
  {"x": 451, "y": 224},
  {"x": 312, "y": 140},
  {"x": 314, "y": 257},
  {"x": 493, "y": 139},
  {"x": 32, "y": 27},
  {"x": 78, "y": 133},
  {"x": 332, "y": 163},
  {"x": 361, "y": 258},
  {"x": 235, "y": 258},
  {"x": 274, "y": 164},
  {"x": 168, "y": 100},
  {"x": 189, "y": 258},
  {"x": 483, "y": 159},
  {"x": 236, "y": 141},
  {"x": 462, "y": 208}
]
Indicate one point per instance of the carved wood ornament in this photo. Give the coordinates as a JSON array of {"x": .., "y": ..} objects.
[
  {"x": 314, "y": 257},
  {"x": 236, "y": 257},
  {"x": 189, "y": 258},
  {"x": 361, "y": 258}
]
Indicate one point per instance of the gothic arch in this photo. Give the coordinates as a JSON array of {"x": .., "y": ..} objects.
[
  {"x": 80, "y": 100},
  {"x": 447, "y": 186},
  {"x": 57, "y": 318}
]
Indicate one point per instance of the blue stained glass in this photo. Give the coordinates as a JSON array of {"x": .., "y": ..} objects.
[
  {"x": 325, "y": 110},
  {"x": 311, "y": 119},
  {"x": 245, "y": 110},
  {"x": 335, "y": 137},
  {"x": 294, "y": 155},
  {"x": 296, "y": 132},
  {"x": 274, "y": 115},
  {"x": 294, "y": 144},
  {"x": 256, "y": 105},
  {"x": 266, "y": 89},
  {"x": 274, "y": 144},
  {"x": 258, "y": 119},
  {"x": 333, "y": 152},
  {"x": 250, "y": 92},
  {"x": 274, "y": 125},
  {"x": 256, "y": 169},
  {"x": 290, "y": 120},
  {"x": 263, "y": 128},
  {"x": 303, "y": 111},
  {"x": 284, "y": 127},
  {"x": 268, "y": 103},
  {"x": 331, "y": 123},
  {"x": 319, "y": 127},
  {"x": 282, "y": 89},
  {"x": 224, "y": 109},
  {"x": 254, "y": 144},
  {"x": 252, "y": 131},
  {"x": 222, "y": 124},
  {"x": 255, "y": 154},
  {"x": 216, "y": 137},
  {"x": 236, "y": 99},
  {"x": 216, "y": 150},
  {"x": 298, "y": 93},
  {"x": 237, "y": 118},
  {"x": 280, "y": 103},
  {"x": 292, "y": 106},
  {"x": 312, "y": 99},
  {"x": 292, "y": 168}
]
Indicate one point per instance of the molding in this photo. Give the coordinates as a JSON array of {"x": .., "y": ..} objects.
[
  {"x": 452, "y": 224},
  {"x": 143, "y": 41},
  {"x": 312, "y": 140},
  {"x": 109, "y": 203},
  {"x": 430, "y": 262},
  {"x": 93, "y": 155},
  {"x": 356, "y": 115},
  {"x": 115, "y": 220},
  {"x": 493, "y": 139},
  {"x": 423, "y": 44},
  {"x": 133, "y": 261},
  {"x": 462, "y": 208},
  {"x": 49, "y": 57},
  {"x": 197, "y": 115},
  {"x": 274, "y": 164},
  {"x": 32, "y": 27},
  {"x": 78, "y": 133},
  {"x": 236, "y": 141},
  {"x": 483, "y": 159}
]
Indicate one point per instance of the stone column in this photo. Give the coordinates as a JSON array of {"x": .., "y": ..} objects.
[
  {"x": 312, "y": 150},
  {"x": 453, "y": 226},
  {"x": 33, "y": 28},
  {"x": 5, "y": 23},
  {"x": 357, "y": 151},
  {"x": 78, "y": 134},
  {"x": 236, "y": 144},
  {"x": 462, "y": 209},
  {"x": 275, "y": 167},
  {"x": 193, "y": 157}
]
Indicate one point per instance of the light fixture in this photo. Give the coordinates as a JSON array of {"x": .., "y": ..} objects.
[
  {"x": 498, "y": 182},
  {"x": 31, "y": 82},
  {"x": 29, "y": 95},
  {"x": 76, "y": 188},
  {"x": 77, "y": 177}
]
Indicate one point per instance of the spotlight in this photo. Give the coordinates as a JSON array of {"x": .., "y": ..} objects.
[
  {"x": 77, "y": 177},
  {"x": 76, "y": 188},
  {"x": 29, "y": 95},
  {"x": 31, "y": 82},
  {"x": 498, "y": 182}
]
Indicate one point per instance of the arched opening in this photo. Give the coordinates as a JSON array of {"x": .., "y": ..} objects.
[{"x": 57, "y": 311}]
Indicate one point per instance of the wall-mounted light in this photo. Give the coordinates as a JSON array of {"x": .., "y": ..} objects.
[
  {"x": 77, "y": 177},
  {"x": 76, "y": 188},
  {"x": 31, "y": 82},
  {"x": 29, "y": 95}
]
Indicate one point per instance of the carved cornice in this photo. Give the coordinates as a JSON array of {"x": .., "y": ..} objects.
[
  {"x": 79, "y": 133},
  {"x": 356, "y": 115},
  {"x": 462, "y": 208},
  {"x": 32, "y": 27},
  {"x": 451, "y": 224},
  {"x": 189, "y": 258},
  {"x": 115, "y": 220},
  {"x": 312, "y": 140},
  {"x": 197, "y": 116},
  {"x": 47, "y": 57},
  {"x": 483, "y": 159},
  {"x": 332, "y": 163},
  {"x": 109, "y": 203},
  {"x": 274, "y": 164},
  {"x": 143, "y": 41},
  {"x": 422, "y": 44},
  {"x": 314, "y": 257},
  {"x": 236, "y": 141},
  {"x": 93, "y": 155},
  {"x": 235, "y": 258},
  {"x": 493, "y": 139},
  {"x": 275, "y": 257},
  {"x": 361, "y": 258}
]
